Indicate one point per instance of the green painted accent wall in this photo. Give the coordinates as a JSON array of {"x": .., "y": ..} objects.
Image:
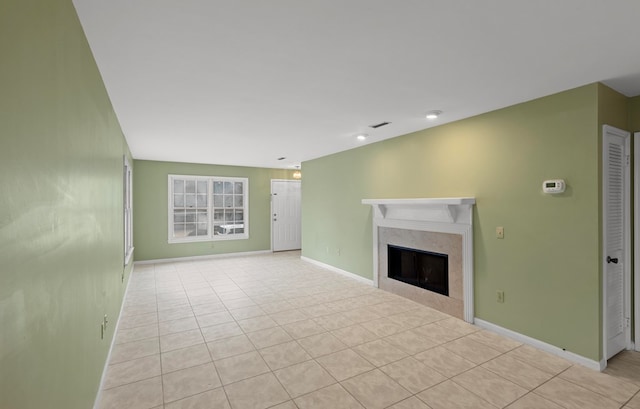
[
  {"x": 150, "y": 209},
  {"x": 548, "y": 262},
  {"x": 613, "y": 108},
  {"x": 634, "y": 114},
  {"x": 61, "y": 217}
]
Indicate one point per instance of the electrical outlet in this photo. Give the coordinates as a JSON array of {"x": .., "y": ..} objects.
[
  {"x": 500, "y": 295},
  {"x": 500, "y": 232},
  {"x": 338, "y": 251}
]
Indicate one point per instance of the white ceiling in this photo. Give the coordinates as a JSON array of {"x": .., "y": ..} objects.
[{"x": 245, "y": 82}]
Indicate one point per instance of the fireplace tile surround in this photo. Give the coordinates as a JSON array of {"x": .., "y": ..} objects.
[
  {"x": 442, "y": 225},
  {"x": 445, "y": 243}
]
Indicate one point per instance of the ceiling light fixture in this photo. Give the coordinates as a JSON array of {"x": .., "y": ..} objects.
[
  {"x": 433, "y": 115},
  {"x": 297, "y": 174},
  {"x": 362, "y": 137}
]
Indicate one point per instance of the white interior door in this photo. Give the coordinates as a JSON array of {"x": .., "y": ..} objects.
[
  {"x": 286, "y": 223},
  {"x": 616, "y": 263}
]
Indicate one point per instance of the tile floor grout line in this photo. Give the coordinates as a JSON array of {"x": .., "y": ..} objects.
[
  {"x": 131, "y": 383},
  {"x": 349, "y": 392},
  {"x": 544, "y": 383},
  {"x": 637, "y": 394},
  {"x": 212, "y": 361},
  {"x": 271, "y": 372},
  {"x": 596, "y": 392},
  {"x": 475, "y": 394},
  {"x": 178, "y": 349},
  {"x": 479, "y": 366},
  {"x": 540, "y": 369},
  {"x": 155, "y": 284}
]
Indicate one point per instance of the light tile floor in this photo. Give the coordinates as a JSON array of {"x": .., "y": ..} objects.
[{"x": 272, "y": 331}]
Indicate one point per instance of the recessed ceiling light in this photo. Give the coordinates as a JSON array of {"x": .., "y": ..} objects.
[
  {"x": 433, "y": 115},
  {"x": 362, "y": 137}
]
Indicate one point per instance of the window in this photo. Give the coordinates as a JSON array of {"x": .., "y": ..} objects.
[
  {"x": 204, "y": 208},
  {"x": 128, "y": 212}
]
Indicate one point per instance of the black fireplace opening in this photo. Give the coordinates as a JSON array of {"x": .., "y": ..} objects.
[{"x": 423, "y": 269}]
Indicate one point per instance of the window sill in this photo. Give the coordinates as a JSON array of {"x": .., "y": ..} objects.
[{"x": 209, "y": 239}]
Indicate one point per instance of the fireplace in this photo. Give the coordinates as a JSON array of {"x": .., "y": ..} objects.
[
  {"x": 412, "y": 264},
  {"x": 432, "y": 227},
  {"x": 424, "y": 269}
]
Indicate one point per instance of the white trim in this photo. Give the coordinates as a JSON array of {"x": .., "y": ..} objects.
[
  {"x": 607, "y": 129},
  {"x": 205, "y": 257},
  {"x": 103, "y": 377},
  {"x": 447, "y": 209},
  {"x": 536, "y": 343},
  {"x": 441, "y": 215},
  {"x": 337, "y": 270},
  {"x": 129, "y": 257},
  {"x": 636, "y": 269},
  {"x": 127, "y": 210},
  {"x": 376, "y": 258}
]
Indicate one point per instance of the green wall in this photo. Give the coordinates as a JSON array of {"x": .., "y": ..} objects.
[
  {"x": 150, "y": 207},
  {"x": 61, "y": 218},
  {"x": 634, "y": 114},
  {"x": 548, "y": 262}
]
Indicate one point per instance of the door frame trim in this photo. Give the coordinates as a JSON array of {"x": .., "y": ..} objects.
[
  {"x": 636, "y": 235},
  {"x": 271, "y": 206},
  {"x": 607, "y": 129}
]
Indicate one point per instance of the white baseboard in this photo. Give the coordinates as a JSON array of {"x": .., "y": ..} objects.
[
  {"x": 570, "y": 356},
  {"x": 113, "y": 341},
  {"x": 337, "y": 270},
  {"x": 205, "y": 257}
]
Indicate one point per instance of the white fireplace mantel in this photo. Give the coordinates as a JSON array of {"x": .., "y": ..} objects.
[
  {"x": 444, "y": 215},
  {"x": 447, "y": 210}
]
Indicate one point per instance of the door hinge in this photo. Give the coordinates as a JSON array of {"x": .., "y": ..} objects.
[
  {"x": 628, "y": 160},
  {"x": 627, "y": 322}
]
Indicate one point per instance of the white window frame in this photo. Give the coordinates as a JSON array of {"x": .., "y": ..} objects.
[
  {"x": 128, "y": 210},
  {"x": 210, "y": 209}
]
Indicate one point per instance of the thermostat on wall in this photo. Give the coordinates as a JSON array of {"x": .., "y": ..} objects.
[{"x": 553, "y": 186}]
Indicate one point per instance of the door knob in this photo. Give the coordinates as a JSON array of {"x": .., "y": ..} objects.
[{"x": 612, "y": 260}]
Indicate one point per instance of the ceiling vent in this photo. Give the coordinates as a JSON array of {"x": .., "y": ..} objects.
[{"x": 381, "y": 124}]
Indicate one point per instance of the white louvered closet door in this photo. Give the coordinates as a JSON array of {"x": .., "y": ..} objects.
[{"x": 615, "y": 180}]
